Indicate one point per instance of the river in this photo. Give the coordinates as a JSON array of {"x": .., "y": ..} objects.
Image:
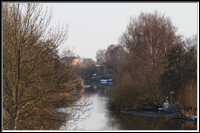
[{"x": 101, "y": 119}]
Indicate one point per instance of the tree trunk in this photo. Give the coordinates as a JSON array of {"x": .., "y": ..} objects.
[{"x": 12, "y": 122}]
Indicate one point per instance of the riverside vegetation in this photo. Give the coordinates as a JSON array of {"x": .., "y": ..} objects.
[
  {"x": 151, "y": 65},
  {"x": 35, "y": 81}
]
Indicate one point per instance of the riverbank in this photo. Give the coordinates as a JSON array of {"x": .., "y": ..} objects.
[
  {"x": 162, "y": 114},
  {"x": 153, "y": 114}
]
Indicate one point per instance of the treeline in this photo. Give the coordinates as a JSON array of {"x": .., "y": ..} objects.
[
  {"x": 35, "y": 81},
  {"x": 151, "y": 64},
  {"x": 87, "y": 68}
]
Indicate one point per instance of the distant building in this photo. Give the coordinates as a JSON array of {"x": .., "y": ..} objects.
[
  {"x": 72, "y": 60},
  {"x": 76, "y": 62}
]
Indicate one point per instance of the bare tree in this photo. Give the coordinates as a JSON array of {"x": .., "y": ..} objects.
[
  {"x": 34, "y": 79},
  {"x": 112, "y": 58},
  {"x": 149, "y": 38}
]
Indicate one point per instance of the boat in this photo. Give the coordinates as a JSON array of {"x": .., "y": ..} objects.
[
  {"x": 110, "y": 80},
  {"x": 103, "y": 80},
  {"x": 87, "y": 86}
]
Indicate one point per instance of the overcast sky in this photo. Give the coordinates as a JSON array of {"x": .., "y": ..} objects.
[{"x": 94, "y": 26}]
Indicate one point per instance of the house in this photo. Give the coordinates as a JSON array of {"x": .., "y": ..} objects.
[{"x": 76, "y": 62}]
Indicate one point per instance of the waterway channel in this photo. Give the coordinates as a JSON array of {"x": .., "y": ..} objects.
[{"x": 101, "y": 119}]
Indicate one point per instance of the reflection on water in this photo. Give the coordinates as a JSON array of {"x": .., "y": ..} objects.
[
  {"x": 136, "y": 122},
  {"x": 102, "y": 119}
]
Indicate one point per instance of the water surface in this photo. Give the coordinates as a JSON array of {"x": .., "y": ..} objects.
[{"x": 102, "y": 119}]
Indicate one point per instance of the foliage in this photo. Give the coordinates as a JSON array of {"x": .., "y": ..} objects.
[
  {"x": 188, "y": 99},
  {"x": 183, "y": 63}
]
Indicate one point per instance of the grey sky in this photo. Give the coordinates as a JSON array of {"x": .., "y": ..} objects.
[{"x": 94, "y": 26}]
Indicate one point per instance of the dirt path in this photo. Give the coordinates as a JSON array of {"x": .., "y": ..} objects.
[{"x": 152, "y": 114}]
